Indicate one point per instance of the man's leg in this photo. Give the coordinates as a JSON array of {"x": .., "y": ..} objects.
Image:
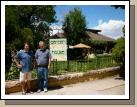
[
  {"x": 23, "y": 87},
  {"x": 22, "y": 81},
  {"x": 45, "y": 85},
  {"x": 39, "y": 77},
  {"x": 28, "y": 82},
  {"x": 26, "y": 85}
]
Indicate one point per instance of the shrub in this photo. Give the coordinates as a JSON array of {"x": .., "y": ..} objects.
[{"x": 118, "y": 52}]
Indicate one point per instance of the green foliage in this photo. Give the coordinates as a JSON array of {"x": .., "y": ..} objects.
[
  {"x": 74, "y": 26},
  {"x": 45, "y": 13},
  {"x": 27, "y": 36},
  {"x": 19, "y": 28},
  {"x": 13, "y": 71},
  {"x": 61, "y": 67},
  {"x": 123, "y": 30},
  {"x": 34, "y": 73},
  {"x": 8, "y": 48},
  {"x": 119, "y": 50}
]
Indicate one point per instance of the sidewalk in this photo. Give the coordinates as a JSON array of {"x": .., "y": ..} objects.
[{"x": 107, "y": 86}]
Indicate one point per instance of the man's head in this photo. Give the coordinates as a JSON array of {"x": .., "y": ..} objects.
[
  {"x": 26, "y": 46},
  {"x": 41, "y": 45}
]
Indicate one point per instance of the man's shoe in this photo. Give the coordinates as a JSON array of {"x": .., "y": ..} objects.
[
  {"x": 45, "y": 89},
  {"x": 39, "y": 91},
  {"x": 28, "y": 91},
  {"x": 23, "y": 93},
  {"x": 31, "y": 92}
]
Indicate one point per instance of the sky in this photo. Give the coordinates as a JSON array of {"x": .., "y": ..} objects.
[{"x": 102, "y": 17}]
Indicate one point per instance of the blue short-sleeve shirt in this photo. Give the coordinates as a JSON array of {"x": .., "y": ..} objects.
[
  {"x": 42, "y": 57},
  {"x": 25, "y": 58}
]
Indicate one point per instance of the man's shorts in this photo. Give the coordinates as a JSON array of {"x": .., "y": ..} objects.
[{"x": 25, "y": 76}]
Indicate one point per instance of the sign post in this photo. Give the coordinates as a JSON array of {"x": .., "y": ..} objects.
[{"x": 58, "y": 49}]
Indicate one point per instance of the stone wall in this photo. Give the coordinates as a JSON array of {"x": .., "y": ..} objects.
[{"x": 55, "y": 81}]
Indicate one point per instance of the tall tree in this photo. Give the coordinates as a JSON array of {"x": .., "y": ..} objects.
[
  {"x": 74, "y": 26},
  {"x": 118, "y": 51},
  {"x": 123, "y": 30},
  {"x": 118, "y": 6},
  {"x": 19, "y": 27}
]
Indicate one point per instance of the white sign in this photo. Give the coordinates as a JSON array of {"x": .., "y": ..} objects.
[{"x": 58, "y": 49}]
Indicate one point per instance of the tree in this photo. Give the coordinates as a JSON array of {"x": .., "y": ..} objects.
[
  {"x": 118, "y": 52},
  {"x": 74, "y": 26},
  {"x": 19, "y": 27},
  {"x": 119, "y": 6},
  {"x": 123, "y": 30},
  {"x": 20, "y": 17},
  {"x": 119, "y": 49}
]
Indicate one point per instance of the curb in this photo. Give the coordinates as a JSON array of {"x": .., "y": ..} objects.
[{"x": 60, "y": 80}]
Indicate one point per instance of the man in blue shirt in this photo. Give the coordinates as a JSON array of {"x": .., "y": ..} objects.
[
  {"x": 23, "y": 60},
  {"x": 43, "y": 60}
]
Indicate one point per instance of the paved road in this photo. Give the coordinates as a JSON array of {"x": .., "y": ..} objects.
[{"x": 107, "y": 86}]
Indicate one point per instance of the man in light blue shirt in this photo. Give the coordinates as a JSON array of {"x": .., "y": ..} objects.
[
  {"x": 23, "y": 60},
  {"x": 43, "y": 60}
]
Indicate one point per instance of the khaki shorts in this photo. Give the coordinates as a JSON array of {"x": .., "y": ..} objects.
[{"x": 25, "y": 76}]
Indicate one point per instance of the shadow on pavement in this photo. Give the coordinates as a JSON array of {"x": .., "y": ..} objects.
[
  {"x": 55, "y": 88},
  {"x": 49, "y": 88},
  {"x": 120, "y": 78}
]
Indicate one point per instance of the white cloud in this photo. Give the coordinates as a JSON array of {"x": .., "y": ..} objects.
[
  {"x": 112, "y": 28},
  {"x": 100, "y": 21}
]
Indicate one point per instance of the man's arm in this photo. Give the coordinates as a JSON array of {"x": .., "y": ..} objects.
[{"x": 17, "y": 63}]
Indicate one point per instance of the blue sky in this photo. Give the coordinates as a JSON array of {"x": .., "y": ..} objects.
[{"x": 103, "y": 17}]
